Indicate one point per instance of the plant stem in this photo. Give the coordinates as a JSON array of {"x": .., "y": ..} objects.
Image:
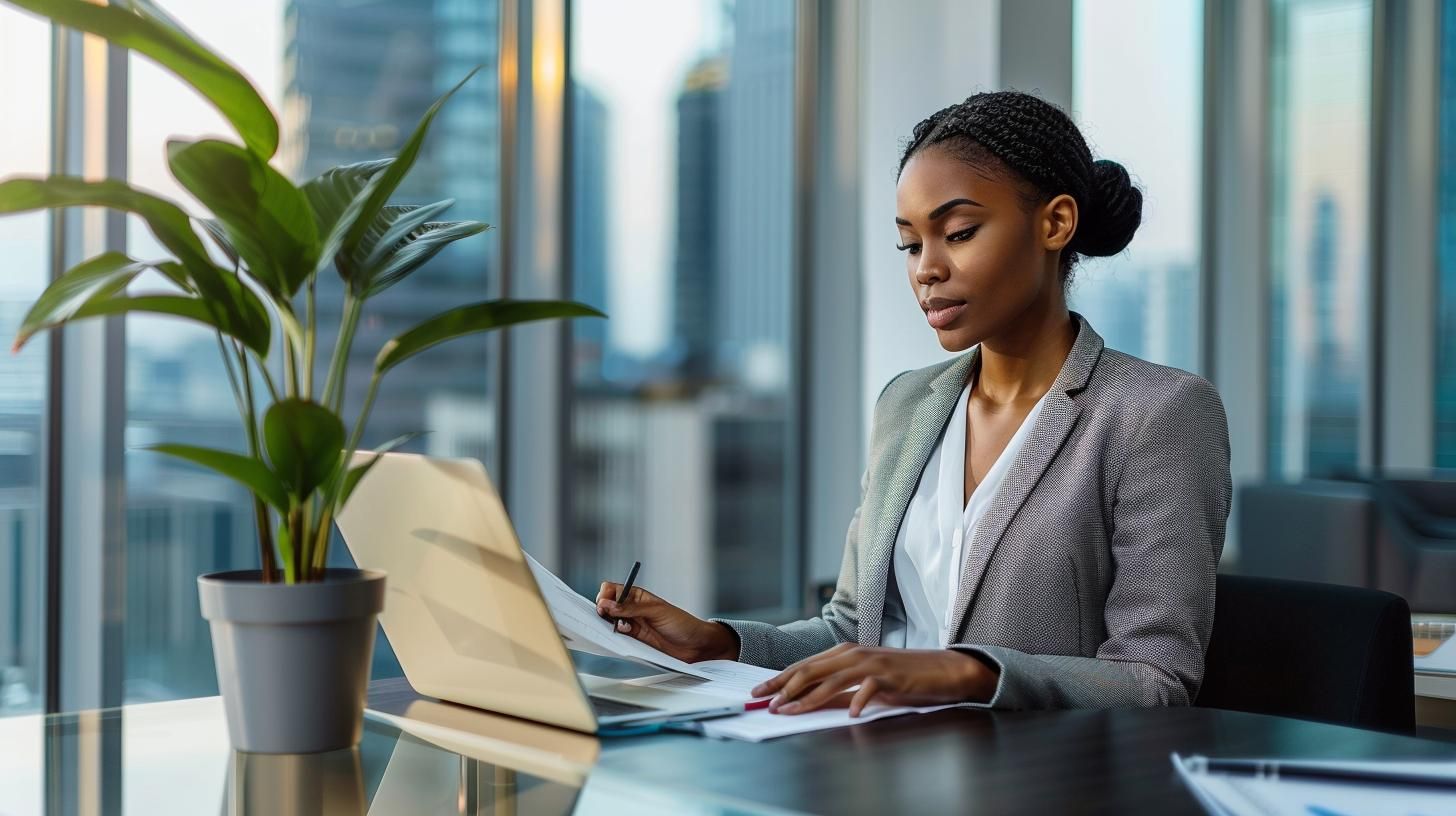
[
  {"x": 255, "y": 447},
  {"x": 295, "y": 532},
  {"x": 310, "y": 329},
  {"x": 290, "y": 367},
  {"x": 339, "y": 361},
  {"x": 337, "y": 484},
  {"x": 263, "y": 370},
  {"x": 362, "y": 421},
  {"x": 322, "y": 536},
  {"x": 243, "y": 394}
]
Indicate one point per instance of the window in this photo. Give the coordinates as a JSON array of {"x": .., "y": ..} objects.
[
  {"x": 1145, "y": 301},
  {"x": 1319, "y": 237},
  {"x": 1445, "y": 454},
  {"x": 25, "y": 93},
  {"x": 349, "y": 79},
  {"x": 682, "y": 231}
]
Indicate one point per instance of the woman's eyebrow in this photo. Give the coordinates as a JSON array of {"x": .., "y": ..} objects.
[{"x": 942, "y": 209}]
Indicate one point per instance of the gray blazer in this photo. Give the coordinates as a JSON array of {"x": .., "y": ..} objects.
[{"x": 1090, "y": 578}]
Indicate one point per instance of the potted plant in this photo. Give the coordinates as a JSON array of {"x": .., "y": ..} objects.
[{"x": 292, "y": 640}]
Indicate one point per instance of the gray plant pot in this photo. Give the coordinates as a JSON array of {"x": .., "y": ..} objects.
[{"x": 293, "y": 661}]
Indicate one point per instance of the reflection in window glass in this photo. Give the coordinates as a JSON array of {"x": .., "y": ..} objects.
[
  {"x": 1446, "y": 250},
  {"x": 1145, "y": 300},
  {"x": 1319, "y": 241},
  {"x": 25, "y": 89},
  {"x": 350, "y": 79},
  {"x": 682, "y": 232}
]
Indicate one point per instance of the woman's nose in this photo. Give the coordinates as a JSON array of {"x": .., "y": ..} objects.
[{"x": 930, "y": 270}]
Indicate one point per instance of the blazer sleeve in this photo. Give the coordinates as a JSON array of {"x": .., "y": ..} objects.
[
  {"x": 776, "y": 647},
  {"x": 1168, "y": 515}
]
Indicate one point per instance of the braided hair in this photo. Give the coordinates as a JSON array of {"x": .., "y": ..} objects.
[{"x": 1037, "y": 142}]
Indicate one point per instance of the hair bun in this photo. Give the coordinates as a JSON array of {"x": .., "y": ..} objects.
[{"x": 1112, "y": 214}]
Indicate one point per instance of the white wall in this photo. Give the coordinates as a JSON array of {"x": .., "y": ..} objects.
[{"x": 916, "y": 57}]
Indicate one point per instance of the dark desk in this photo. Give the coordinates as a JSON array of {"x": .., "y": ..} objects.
[
  {"x": 962, "y": 761},
  {"x": 425, "y": 757},
  {"x": 1112, "y": 761}
]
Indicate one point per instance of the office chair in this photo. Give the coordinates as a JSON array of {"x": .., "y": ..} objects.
[
  {"x": 1415, "y": 544},
  {"x": 1313, "y": 651}
]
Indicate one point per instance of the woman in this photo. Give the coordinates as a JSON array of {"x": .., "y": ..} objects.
[{"x": 1042, "y": 517}]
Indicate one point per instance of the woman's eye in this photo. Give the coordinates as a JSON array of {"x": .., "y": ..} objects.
[
  {"x": 962, "y": 235},
  {"x": 913, "y": 249}
]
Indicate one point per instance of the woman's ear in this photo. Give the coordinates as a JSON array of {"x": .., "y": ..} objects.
[{"x": 1058, "y": 222}]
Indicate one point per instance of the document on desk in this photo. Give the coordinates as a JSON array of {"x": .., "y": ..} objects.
[
  {"x": 584, "y": 630},
  {"x": 735, "y": 681},
  {"x": 1230, "y": 794},
  {"x": 757, "y": 726}
]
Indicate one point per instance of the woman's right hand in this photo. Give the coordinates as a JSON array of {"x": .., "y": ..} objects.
[{"x": 666, "y": 628}]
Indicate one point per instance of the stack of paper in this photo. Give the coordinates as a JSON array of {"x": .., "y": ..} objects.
[
  {"x": 585, "y": 631},
  {"x": 1387, "y": 788}
]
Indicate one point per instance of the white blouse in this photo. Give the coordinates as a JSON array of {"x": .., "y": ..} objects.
[{"x": 936, "y": 532}]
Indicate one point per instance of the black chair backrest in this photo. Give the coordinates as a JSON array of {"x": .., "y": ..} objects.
[{"x": 1313, "y": 651}]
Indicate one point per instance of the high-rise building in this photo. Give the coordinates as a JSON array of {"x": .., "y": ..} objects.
[
  {"x": 1445, "y": 453},
  {"x": 755, "y": 277},
  {"x": 359, "y": 75},
  {"x": 696, "y": 256},
  {"x": 589, "y": 340},
  {"x": 1332, "y": 381}
]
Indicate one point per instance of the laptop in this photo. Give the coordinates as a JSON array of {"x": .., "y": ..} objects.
[{"x": 464, "y": 613}]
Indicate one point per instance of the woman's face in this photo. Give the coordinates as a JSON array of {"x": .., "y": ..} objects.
[{"x": 978, "y": 257}]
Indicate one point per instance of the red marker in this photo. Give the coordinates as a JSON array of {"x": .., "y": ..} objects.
[{"x": 756, "y": 705}]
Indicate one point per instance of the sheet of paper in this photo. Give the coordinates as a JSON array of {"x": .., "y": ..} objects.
[
  {"x": 728, "y": 679},
  {"x": 757, "y": 726},
  {"x": 1221, "y": 793},
  {"x": 584, "y": 630}
]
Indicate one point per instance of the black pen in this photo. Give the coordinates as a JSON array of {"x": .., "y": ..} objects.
[
  {"x": 627, "y": 587},
  {"x": 1355, "y": 772}
]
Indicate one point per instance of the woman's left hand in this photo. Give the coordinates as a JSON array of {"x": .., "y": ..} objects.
[{"x": 884, "y": 675}]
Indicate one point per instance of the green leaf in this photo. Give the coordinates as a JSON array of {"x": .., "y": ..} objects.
[
  {"x": 305, "y": 442},
  {"x": 476, "y": 317},
  {"x": 195, "y": 272},
  {"x": 331, "y": 192},
  {"x": 266, "y": 218},
  {"x": 399, "y": 231},
  {"x": 218, "y": 234},
  {"x": 251, "y": 328},
  {"x": 390, "y": 179},
  {"x": 355, "y": 474},
  {"x": 166, "y": 220},
  {"x": 245, "y": 470},
  {"x": 420, "y": 246},
  {"x": 98, "y": 278},
  {"x": 338, "y": 197},
  {"x": 142, "y": 27}
]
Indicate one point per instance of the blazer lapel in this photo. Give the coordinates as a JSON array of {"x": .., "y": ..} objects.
[
  {"x": 1058, "y": 416},
  {"x": 927, "y": 423}
]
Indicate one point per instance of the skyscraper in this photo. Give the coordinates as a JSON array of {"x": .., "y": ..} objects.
[
  {"x": 1445, "y": 453},
  {"x": 696, "y": 259},
  {"x": 359, "y": 75},
  {"x": 1333, "y": 382},
  {"x": 755, "y": 288},
  {"x": 589, "y": 340}
]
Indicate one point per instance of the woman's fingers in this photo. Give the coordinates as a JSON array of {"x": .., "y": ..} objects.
[
  {"x": 868, "y": 688},
  {"x": 607, "y": 592},
  {"x": 775, "y": 683},
  {"x": 811, "y": 673},
  {"x": 638, "y": 603},
  {"x": 824, "y": 690}
]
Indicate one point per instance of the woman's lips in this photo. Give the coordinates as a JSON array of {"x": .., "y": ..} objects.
[{"x": 942, "y": 316}]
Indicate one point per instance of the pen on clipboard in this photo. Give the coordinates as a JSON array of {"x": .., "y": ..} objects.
[{"x": 626, "y": 588}]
